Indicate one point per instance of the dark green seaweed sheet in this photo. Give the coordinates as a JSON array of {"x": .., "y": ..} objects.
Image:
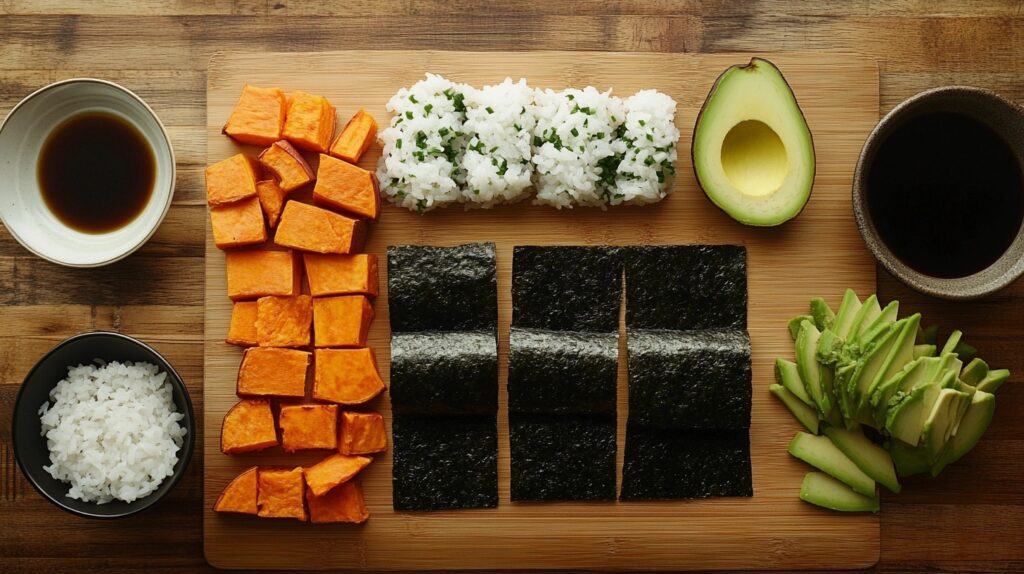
[
  {"x": 561, "y": 371},
  {"x": 562, "y": 457},
  {"x": 689, "y": 379},
  {"x": 673, "y": 464},
  {"x": 444, "y": 462},
  {"x": 444, "y": 373},
  {"x": 686, "y": 287},
  {"x": 567, "y": 288},
  {"x": 442, "y": 288}
]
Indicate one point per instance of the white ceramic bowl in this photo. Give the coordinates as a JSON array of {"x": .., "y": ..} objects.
[{"x": 22, "y": 208}]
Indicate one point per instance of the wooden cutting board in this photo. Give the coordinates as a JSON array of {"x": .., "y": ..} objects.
[{"x": 819, "y": 253}]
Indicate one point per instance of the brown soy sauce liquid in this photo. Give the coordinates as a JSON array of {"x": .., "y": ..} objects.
[
  {"x": 946, "y": 194},
  {"x": 96, "y": 172}
]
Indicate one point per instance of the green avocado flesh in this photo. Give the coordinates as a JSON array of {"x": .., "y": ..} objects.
[
  {"x": 752, "y": 150},
  {"x": 872, "y": 459},
  {"x": 822, "y": 490},
  {"x": 801, "y": 410},
  {"x": 821, "y": 453},
  {"x": 786, "y": 374}
]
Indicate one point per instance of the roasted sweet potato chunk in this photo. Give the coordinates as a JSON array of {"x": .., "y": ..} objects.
[
  {"x": 341, "y": 504},
  {"x": 271, "y": 200},
  {"x": 287, "y": 165},
  {"x": 231, "y": 179},
  {"x": 248, "y": 426},
  {"x": 281, "y": 493},
  {"x": 332, "y": 471},
  {"x": 311, "y": 228},
  {"x": 258, "y": 117},
  {"x": 355, "y": 137},
  {"x": 237, "y": 224},
  {"x": 259, "y": 273},
  {"x": 342, "y": 321},
  {"x": 273, "y": 372},
  {"x": 341, "y": 274},
  {"x": 361, "y": 433},
  {"x": 310, "y": 121},
  {"x": 242, "y": 330},
  {"x": 308, "y": 427},
  {"x": 240, "y": 494},
  {"x": 284, "y": 321},
  {"x": 347, "y": 187},
  {"x": 346, "y": 376}
]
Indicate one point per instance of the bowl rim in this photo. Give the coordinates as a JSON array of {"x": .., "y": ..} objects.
[
  {"x": 187, "y": 447},
  {"x": 173, "y": 163}
]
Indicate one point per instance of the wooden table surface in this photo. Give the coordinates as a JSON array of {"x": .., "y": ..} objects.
[{"x": 970, "y": 519}]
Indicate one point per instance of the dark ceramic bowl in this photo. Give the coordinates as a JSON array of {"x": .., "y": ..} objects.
[
  {"x": 1003, "y": 117},
  {"x": 30, "y": 446}
]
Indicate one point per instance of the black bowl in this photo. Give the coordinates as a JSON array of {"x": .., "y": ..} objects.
[{"x": 30, "y": 446}]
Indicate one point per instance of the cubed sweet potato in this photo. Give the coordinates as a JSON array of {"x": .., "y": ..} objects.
[
  {"x": 348, "y": 187},
  {"x": 311, "y": 228},
  {"x": 258, "y": 117},
  {"x": 271, "y": 200},
  {"x": 248, "y": 426},
  {"x": 231, "y": 179},
  {"x": 237, "y": 224},
  {"x": 346, "y": 376},
  {"x": 332, "y": 471},
  {"x": 281, "y": 493},
  {"x": 309, "y": 124},
  {"x": 258, "y": 273},
  {"x": 344, "y": 503},
  {"x": 273, "y": 372},
  {"x": 242, "y": 330},
  {"x": 355, "y": 137},
  {"x": 361, "y": 433},
  {"x": 353, "y": 274},
  {"x": 287, "y": 165},
  {"x": 342, "y": 321},
  {"x": 308, "y": 427},
  {"x": 284, "y": 321},
  {"x": 240, "y": 494}
]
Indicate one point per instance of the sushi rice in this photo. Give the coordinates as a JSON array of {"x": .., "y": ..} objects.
[{"x": 647, "y": 168}]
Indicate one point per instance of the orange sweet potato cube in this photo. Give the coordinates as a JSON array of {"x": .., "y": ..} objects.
[
  {"x": 271, "y": 200},
  {"x": 332, "y": 471},
  {"x": 259, "y": 273},
  {"x": 342, "y": 504},
  {"x": 230, "y": 180},
  {"x": 273, "y": 372},
  {"x": 240, "y": 494},
  {"x": 355, "y": 137},
  {"x": 309, "y": 124},
  {"x": 248, "y": 426},
  {"x": 242, "y": 330},
  {"x": 342, "y": 321},
  {"x": 308, "y": 426},
  {"x": 346, "y": 376},
  {"x": 258, "y": 117},
  {"x": 281, "y": 493},
  {"x": 287, "y": 165},
  {"x": 311, "y": 228},
  {"x": 355, "y": 273},
  {"x": 237, "y": 224},
  {"x": 347, "y": 187},
  {"x": 361, "y": 433},
  {"x": 284, "y": 321}
]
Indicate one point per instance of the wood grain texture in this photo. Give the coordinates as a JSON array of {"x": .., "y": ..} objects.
[{"x": 161, "y": 51}]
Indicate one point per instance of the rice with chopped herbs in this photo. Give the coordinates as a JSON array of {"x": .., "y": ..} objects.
[{"x": 647, "y": 168}]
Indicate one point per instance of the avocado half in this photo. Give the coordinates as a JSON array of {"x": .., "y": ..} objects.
[{"x": 752, "y": 151}]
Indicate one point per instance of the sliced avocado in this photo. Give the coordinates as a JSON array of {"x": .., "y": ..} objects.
[
  {"x": 869, "y": 311},
  {"x": 822, "y": 490},
  {"x": 993, "y": 380},
  {"x": 847, "y": 312},
  {"x": 908, "y": 460},
  {"x": 938, "y": 427},
  {"x": 929, "y": 335},
  {"x": 869, "y": 366},
  {"x": 786, "y": 374},
  {"x": 794, "y": 324},
  {"x": 888, "y": 316},
  {"x": 912, "y": 374},
  {"x": 819, "y": 452},
  {"x": 902, "y": 353},
  {"x": 824, "y": 318},
  {"x": 924, "y": 350},
  {"x": 974, "y": 372},
  {"x": 973, "y": 425},
  {"x": 830, "y": 348},
  {"x": 842, "y": 378},
  {"x": 951, "y": 342},
  {"x": 872, "y": 459},
  {"x": 950, "y": 363},
  {"x": 752, "y": 151},
  {"x": 965, "y": 351},
  {"x": 907, "y": 411},
  {"x": 806, "y": 414},
  {"x": 809, "y": 369}
]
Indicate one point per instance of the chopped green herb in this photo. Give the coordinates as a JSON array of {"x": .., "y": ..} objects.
[
  {"x": 412, "y": 99},
  {"x": 575, "y": 132},
  {"x": 537, "y": 142},
  {"x": 503, "y": 167},
  {"x": 408, "y": 115},
  {"x": 443, "y": 132},
  {"x": 570, "y": 97},
  {"x": 489, "y": 109},
  {"x": 650, "y": 138},
  {"x": 398, "y": 143},
  {"x": 427, "y": 108},
  {"x": 421, "y": 140},
  {"x": 649, "y": 160},
  {"x": 642, "y": 123}
]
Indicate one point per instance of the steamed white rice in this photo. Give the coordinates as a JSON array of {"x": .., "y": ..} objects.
[
  {"x": 112, "y": 431},
  {"x": 648, "y": 165}
]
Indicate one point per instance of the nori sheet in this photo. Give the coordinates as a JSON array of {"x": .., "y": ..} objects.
[
  {"x": 442, "y": 288},
  {"x": 562, "y": 457},
  {"x": 686, "y": 287},
  {"x": 444, "y": 373},
  {"x": 673, "y": 464},
  {"x": 444, "y": 462},
  {"x": 561, "y": 371},
  {"x": 567, "y": 288},
  {"x": 689, "y": 379}
]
